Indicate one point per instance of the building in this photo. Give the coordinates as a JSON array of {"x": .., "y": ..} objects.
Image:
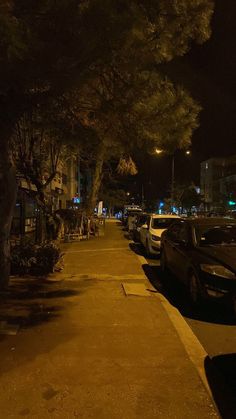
[
  {"x": 64, "y": 191},
  {"x": 218, "y": 183}
]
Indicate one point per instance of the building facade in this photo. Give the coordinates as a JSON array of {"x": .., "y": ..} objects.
[
  {"x": 218, "y": 183},
  {"x": 64, "y": 191}
]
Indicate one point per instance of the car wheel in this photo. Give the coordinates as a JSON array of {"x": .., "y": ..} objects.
[{"x": 195, "y": 290}]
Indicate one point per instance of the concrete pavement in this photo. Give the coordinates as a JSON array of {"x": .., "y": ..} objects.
[{"x": 85, "y": 349}]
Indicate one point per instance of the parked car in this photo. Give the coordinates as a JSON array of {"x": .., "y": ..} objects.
[
  {"x": 129, "y": 216},
  {"x": 201, "y": 253},
  {"x": 141, "y": 219},
  {"x": 151, "y": 231}
]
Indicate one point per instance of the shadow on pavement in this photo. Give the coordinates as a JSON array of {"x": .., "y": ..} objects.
[
  {"x": 137, "y": 248},
  {"x": 221, "y": 376},
  {"x": 29, "y": 315},
  {"x": 29, "y": 302},
  {"x": 26, "y": 308}
]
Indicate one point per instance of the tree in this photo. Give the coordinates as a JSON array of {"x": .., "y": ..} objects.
[
  {"x": 190, "y": 198},
  {"x": 47, "y": 47},
  {"x": 127, "y": 111},
  {"x": 37, "y": 152}
]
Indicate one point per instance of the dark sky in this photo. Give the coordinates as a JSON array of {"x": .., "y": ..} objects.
[{"x": 209, "y": 73}]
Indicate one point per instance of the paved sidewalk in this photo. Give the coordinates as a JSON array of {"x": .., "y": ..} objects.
[{"x": 94, "y": 352}]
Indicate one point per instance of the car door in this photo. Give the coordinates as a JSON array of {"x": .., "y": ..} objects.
[
  {"x": 179, "y": 250},
  {"x": 168, "y": 243}
]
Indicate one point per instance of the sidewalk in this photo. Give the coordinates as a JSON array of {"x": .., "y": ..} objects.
[{"x": 94, "y": 352}]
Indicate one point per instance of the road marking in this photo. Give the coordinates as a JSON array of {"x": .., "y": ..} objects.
[{"x": 108, "y": 249}]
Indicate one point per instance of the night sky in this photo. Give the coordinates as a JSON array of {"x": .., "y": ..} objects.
[{"x": 209, "y": 73}]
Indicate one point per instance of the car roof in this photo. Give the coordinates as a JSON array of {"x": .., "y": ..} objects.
[
  {"x": 210, "y": 221},
  {"x": 165, "y": 216}
]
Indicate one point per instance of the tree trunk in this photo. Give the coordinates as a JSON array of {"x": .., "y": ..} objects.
[
  {"x": 8, "y": 192},
  {"x": 97, "y": 179}
]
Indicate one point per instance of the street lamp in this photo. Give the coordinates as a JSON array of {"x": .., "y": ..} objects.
[{"x": 160, "y": 151}]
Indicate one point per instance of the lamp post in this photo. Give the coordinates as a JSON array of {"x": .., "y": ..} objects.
[{"x": 172, "y": 192}]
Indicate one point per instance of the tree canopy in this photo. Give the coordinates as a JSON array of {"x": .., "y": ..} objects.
[{"x": 108, "y": 50}]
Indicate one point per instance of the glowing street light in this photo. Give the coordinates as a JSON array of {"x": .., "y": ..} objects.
[{"x": 160, "y": 151}]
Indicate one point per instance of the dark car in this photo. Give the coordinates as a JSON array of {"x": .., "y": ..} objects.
[{"x": 202, "y": 254}]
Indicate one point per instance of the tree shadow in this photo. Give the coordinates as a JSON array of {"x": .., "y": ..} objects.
[
  {"x": 31, "y": 315},
  {"x": 221, "y": 375},
  {"x": 35, "y": 318},
  {"x": 29, "y": 302}
]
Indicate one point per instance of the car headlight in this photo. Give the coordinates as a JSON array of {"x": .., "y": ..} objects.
[
  {"x": 155, "y": 238},
  {"x": 218, "y": 270}
]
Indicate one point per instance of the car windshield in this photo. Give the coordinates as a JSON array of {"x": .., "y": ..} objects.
[
  {"x": 217, "y": 235},
  {"x": 160, "y": 223}
]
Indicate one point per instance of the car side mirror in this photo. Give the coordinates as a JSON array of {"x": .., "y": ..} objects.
[{"x": 145, "y": 226}]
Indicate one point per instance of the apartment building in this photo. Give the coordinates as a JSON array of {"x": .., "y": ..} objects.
[
  {"x": 218, "y": 183},
  {"x": 64, "y": 191}
]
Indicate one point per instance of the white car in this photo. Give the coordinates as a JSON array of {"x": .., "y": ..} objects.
[{"x": 150, "y": 233}]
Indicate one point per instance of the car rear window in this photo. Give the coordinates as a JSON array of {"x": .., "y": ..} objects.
[
  {"x": 216, "y": 235},
  {"x": 159, "y": 223}
]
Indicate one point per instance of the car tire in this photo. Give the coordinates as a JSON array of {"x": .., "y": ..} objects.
[{"x": 195, "y": 290}]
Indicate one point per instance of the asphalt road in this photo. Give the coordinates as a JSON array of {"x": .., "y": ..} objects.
[{"x": 213, "y": 325}]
